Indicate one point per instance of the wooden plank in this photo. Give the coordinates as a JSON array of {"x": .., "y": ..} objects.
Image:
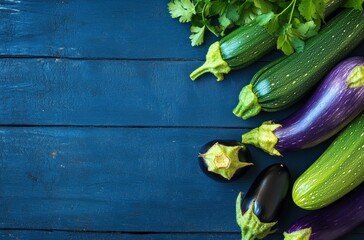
[
  {"x": 36, "y": 235},
  {"x": 95, "y": 29},
  {"x": 122, "y": 179},
  {"x": 119, "y": 93}
]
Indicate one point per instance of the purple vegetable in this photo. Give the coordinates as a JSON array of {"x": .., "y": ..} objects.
[
  {"x": 331, "y": 222},
  {"x": 336, "y": 102},
  {"x": 224, "y": 160}
]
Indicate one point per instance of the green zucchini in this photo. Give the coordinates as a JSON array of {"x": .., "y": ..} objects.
[
  {"x": 338, "y": 170},
  {"x": 286, "y": 80},
  {"x": 244, "y": 46},
  {"x": 236, "y": 50}
]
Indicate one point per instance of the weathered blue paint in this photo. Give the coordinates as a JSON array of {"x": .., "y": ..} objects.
[
  {"x": 95, "y": 29},
  {"x": 122, "y": 179},
  {"x": 118, "y": 93},
  {"x": 36, "y": 235},
  {"x": 125, "y": 159}
]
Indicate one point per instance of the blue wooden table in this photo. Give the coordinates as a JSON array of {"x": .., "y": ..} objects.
[{"x": 101, "y": 126}]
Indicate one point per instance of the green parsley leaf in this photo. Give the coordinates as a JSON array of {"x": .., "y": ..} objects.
[
  {"x": 224, "y": 22},
  {"x": 356, "y": 4},
  {"x": 264, "y": 5},
  {"x": 293, "y": 21},
  {"x": 228, "y": 18},
  {"x": 231, "y": 12},
  {"x": 248, "y": 12},
  {"x": 217, "y": 7},
  {"x": 182, "y": 9},
  {"x": 269, "y": 21},
  {"x": 292, "y": 38},
  {"x": 306, "y": 30},
  {"x": 312, "y": 9},
  {"x": 284, "y": 42},
  {"x": 197, "y": 36}
]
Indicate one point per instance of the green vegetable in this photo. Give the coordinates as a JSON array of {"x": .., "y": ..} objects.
[
  {"x": 284, "y": 81},
  {"x": 238, "y": 49},
  {"x": 357, "y": 4},
  {"x": 219, "y": 15},
  {"x": 216, "y": 15},
  {"x": 338, "y": 170},
  {"x": 252, "y": 41}
]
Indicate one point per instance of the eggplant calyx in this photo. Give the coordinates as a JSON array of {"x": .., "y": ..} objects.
[
  {"x": 263, "y": 137},
  {"x": 303, "y": 234},
  {"x": 250, "y": 225},
  {"x": 356, "y": 77},
  {"x": 248, "y": 105},
  {"x": 224, "y": 160},
  {"x": 214, "y": 64}
]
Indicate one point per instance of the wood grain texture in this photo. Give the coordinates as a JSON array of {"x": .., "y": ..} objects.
[
  {"x": 101, "y": 126},
  {"x": 122, "y": 179},
  {"x": 36, "y": 235},
  {"x": 118, "y": 93},
  {"x": 96, "y": 29}
]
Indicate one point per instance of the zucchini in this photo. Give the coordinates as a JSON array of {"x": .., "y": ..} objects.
[
  {"x": 244, "y": 46},
  {"x": 338, "y": 170},
  {"x": 238, "y": 49},
  {"x": 286, "y": 80}
]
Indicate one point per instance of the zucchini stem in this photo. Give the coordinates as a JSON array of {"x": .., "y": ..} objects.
[
  {"x": 248, "y": 105},
  {"x": 214, "y": 64}
]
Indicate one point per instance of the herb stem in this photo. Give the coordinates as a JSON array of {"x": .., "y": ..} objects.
[
  {"x": 289, "y": 5},
  {"x": 205, "y": 22},
  {"x": 290, "y": 17}
]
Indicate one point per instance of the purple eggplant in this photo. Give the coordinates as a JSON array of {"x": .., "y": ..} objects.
[
  {"x": 331, "y": 222},
  {"x": 224, "y": 160},
  {"x": 336, "y": 102},
  {"x": 259, "y": 211}
]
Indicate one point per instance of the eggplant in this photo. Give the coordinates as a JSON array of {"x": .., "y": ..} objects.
[
  {"x": 331, "y": 222},
  {"x": 334, "y": 104},
  {"x": 260, "y": 209},
  {"x": 224, "y": 160}
]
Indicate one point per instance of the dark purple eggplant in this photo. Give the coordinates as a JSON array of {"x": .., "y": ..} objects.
[
  {"x": 331, "y": 222},
  {"x": 224, "y": 160},
  {"x": 334, "y": 104},
  {"x": 260, "y": 209}
]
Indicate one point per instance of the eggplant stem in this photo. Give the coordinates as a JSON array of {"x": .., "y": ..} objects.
[
  {"x": 303, "y": 234},
  {"x": 224, "y": 160},
  {"x": 356, "y": 77},
  {"x": 263, "y": 137},
  {"x": 251, "y": 226}
]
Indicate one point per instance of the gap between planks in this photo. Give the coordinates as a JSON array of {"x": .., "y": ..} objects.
[
  {"x": 109, "y": 231},
  {"x": 115, "y": 126},
  {"x": 108, "y": 58}
]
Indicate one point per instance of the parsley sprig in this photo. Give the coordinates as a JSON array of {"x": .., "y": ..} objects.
[
  {"x": 291, "y": 21},
  {"x": 216, "y": 16}
]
